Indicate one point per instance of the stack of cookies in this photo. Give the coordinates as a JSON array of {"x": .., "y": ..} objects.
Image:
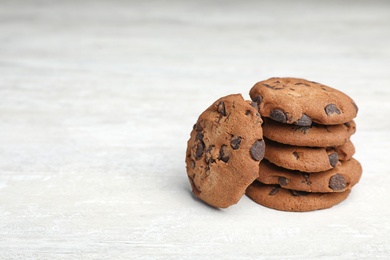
[
  {"x": 308, "y": 162},
  {"x": 303, "y": 162}
]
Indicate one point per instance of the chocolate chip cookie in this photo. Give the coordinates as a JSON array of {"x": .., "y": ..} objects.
[
  {"x": 307, "y": 159},
  {"x": 275, "y": 197},
  {"x": 302, "y": 102},
  {"x": 224, "y": 151},
  {"x": 315, "y": 135},
  {"x": 338, "y": 179}
]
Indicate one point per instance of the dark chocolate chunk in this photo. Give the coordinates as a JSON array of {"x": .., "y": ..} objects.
[
  {"x": 302, "y": 129},
  {"x": 255, "y": 105},
  {"x": 199, "y": 150},
  {"x": 224, "y": 153},
  {"x": 337, "y": 182},
  {"x": 258, "y": 99},
  {"x": 278, "y": 115},
  {"x": 283, "y": 181},
  {"x": 333, "y": 159},
  {"x": 257, "y": 150},
  {"x": 268, "y": 86},
  {"x": 193, "y": 164},
  {"x": 274, "y": 191},
  {"x": 300, "y": 83},
  {"x": 235, "y": 142},
  {"x": 298, "y": 193},
  {"x": 305, "y": 120},
  {"x": 209, "y": 156},
  {"x": 331, "y": 109},
  {"x": 198, "y": 127},
  {"x": 199, "y": 136},
  {"x": 221, "y": 108},
  {"x": 296, "y": 155},
  {"x": 272, "y": 87},
  {"x": 306, "y": 177}
]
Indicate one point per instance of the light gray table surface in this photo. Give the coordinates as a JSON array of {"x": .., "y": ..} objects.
[{"x": 98, "y": 98}]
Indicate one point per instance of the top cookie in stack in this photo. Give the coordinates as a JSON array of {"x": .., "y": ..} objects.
[{"x": 308, "y": 159}]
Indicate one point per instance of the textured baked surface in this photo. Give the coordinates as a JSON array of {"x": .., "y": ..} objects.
[
  {"x": 224, "y": 151},
  {"x": 307, "y": 159},
  {"x": 339, "y": 179},
  {"x": 314, "y": 135},
  {"x": 301, "y": 102},
  {"x": 345, "y": 151},
  {"x": 275, "y": 197}
]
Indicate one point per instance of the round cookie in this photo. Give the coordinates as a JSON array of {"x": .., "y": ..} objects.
[
  {"x": 275, "y": 197},
  {"x": 301, "y": 102},
  {"x": 338, "y": 179},
  {"x": 224, "y": 151},
  {"x": 306, "y": 159},
  {"x": 314, "y": 135}
]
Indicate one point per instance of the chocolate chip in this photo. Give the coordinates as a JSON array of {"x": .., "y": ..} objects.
[
  {"x": 274, "y": 191},
  {"x": 337, "y": 182},
  {"x": 209, "y": 155},
  {"x": 298, "y": 193},
  {"x": 255, "y": 105},
  {"x": 258, "y": 99},
  {"x": 302, "y": 129},
  {"x": 199, "y": 150},
  {"x": 224, "y": 153},
  {"x": 333, "y": 159},
  {"x": 198, "y": 127},
  {"x": 221, "y": 108},
  {"x": 199, "y": 136},
  {"x": 300, "y": 83},
  {"x": 331, "y": 109},
  {"x": 278, "y": 115},
  {"x": 283, "y": 181},
  {"x": 296, "y": 155},
  {"x": 305, "y": 120},
  {"x": 235, "y": 142},
  {"x": 257, "y": 150},
  {"x": 272, "y": 87},
  {"x": 306, "y": 177}
]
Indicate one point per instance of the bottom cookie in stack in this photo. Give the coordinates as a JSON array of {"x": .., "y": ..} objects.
[{"x": 275, "y": 197}]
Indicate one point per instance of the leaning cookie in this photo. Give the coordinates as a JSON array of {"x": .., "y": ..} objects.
[
  {"x": 307, "y": 159},
  {"x": 301, "y": 102},
  {"x": 314, "y": 135},
  {"x": 275, "y": 197},
  {"x": 224, "y": 151},
  {"x": 339, "y": 179}
]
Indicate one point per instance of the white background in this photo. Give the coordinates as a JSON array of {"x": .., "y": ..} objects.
[{"x": 98, "y": 98}]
